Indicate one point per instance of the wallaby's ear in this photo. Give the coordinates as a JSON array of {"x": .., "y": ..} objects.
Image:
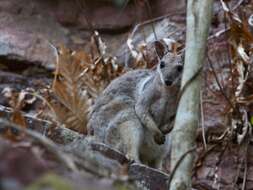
[{"x": 160, "y": 49}]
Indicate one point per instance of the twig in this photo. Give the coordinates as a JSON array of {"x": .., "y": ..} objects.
[
  {"x": 219, "y": 161},
  {"x": 237, "y": 5},
  {"x": 202, "y": 120},
  {"x": 217, "y": 34},
  {"x": 50, "y": 145},
  {"x": 245, "y": 173},
  {"x": 218, "y": 83},
  {"x": 223, "y": 135},
  {"x": 150, "y": 16},
  {"x": 202, "y": 157},
  {"x": 229, "y": 56},
  {"x": 138, "y": 19},
  {"x": 57, "y": 68},
  {"x": 148, "y": 22},
  {"x": 239, "y": 167},
  {"x": 246, "y": 159},
  {"x": 222, "y": 152},
  {"x": 173, "y": 171}
]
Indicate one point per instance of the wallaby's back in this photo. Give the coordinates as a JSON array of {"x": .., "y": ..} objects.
[
  {"x": 120, "y": 94},
  {"x": 133, "y": 110}
]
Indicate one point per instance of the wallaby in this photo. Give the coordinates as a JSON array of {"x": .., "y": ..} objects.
[{"x": 135, "y": 111}]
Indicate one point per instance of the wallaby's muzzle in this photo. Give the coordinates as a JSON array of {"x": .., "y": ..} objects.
[{"x": 168, "y": 81}]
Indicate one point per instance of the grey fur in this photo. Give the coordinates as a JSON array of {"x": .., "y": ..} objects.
[{"x": 135, "y": 108}]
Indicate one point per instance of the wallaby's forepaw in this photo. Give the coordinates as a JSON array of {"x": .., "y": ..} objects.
[
  {"x": 166, "y": 128},
  {"x": 159, "y": 138},
  {"x": 133, "y": 159}
]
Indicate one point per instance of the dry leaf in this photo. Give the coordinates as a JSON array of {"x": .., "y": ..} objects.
[{"x": 17, "y": 101}]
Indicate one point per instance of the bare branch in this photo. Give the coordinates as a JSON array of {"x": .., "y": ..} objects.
[{"x": 199, "y": 14}]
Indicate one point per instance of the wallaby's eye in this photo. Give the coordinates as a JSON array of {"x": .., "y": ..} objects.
[
  {"x": 162, "y": 64},
  {"x": 179, "y": 68}
]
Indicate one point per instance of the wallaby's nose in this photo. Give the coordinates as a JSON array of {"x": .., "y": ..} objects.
[
  {"x": 168, "y": 82},
  {"x": 180, "y": 68}
]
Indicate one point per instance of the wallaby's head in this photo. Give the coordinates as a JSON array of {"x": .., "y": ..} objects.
[{"x": 170, "y": 68}]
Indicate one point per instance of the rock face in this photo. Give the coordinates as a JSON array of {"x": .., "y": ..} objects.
[
  {"x": 25, "y": 32},
  {"x": 27, "y": 26}
]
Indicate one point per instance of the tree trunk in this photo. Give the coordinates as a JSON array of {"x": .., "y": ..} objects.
[{"x": 199, "y": 14}]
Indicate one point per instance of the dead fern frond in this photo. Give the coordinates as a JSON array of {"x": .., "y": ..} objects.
[
  {"x": 79, "y": 79},
  {"x": 16, "y": 100},
  {"x": 68, "y": 87}
]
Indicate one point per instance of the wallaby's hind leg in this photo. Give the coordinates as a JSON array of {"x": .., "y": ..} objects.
[
  {"x": 132, "y": 135},
  {"x": 165, "y": 151}
]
